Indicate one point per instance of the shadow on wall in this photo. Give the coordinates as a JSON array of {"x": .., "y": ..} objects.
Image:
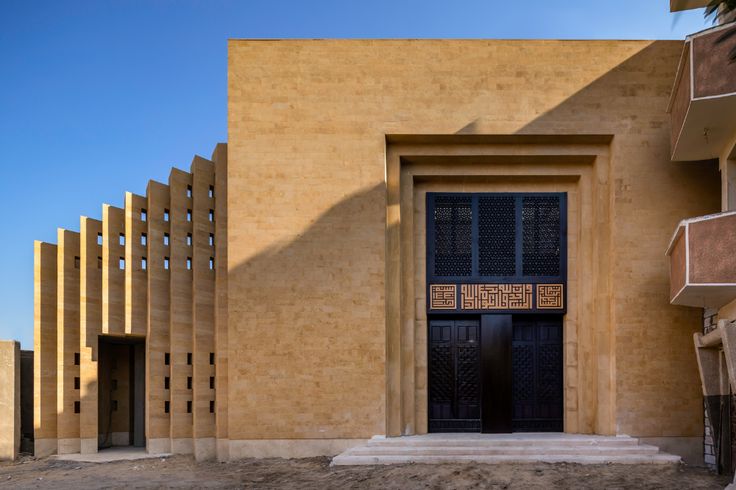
[{"x": 325, "y": 287}]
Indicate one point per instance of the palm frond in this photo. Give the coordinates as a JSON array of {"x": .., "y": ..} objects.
[{"x": 716, "y": 9}]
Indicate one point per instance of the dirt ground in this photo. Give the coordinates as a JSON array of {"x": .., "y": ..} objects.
[{"x": 316, "y": 473}]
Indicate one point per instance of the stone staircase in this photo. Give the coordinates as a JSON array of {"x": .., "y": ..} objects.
[{"x": 504, "y": 448}]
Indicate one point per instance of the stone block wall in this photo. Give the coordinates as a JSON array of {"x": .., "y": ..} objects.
[
  {"x": 10, "y": 391},
  {"x": 145, "y": 272}
]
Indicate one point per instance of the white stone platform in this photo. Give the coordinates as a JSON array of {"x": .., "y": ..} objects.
[
  {"x": 504, "y": 448},
  {"x": 118, "y": 453}
]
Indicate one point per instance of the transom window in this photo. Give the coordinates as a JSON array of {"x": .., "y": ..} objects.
[{"x": 504, "y": 236}]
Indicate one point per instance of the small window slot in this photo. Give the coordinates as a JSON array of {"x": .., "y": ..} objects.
[
  {"x": 167, "y": 358},
  {"x": 189, "y": 382},
  {"x": 122, "y": 239},
  {"x": 77, "y": 407},
  {"x": 144, "y": 263},
  {"x": 144, "y": 215},
  {"x": 212, "y": 358},
  {"x": 76, "y": 382},
  {"x": 167, "y": 381},
  {"x": 166, "y": 239},
  {"x": 189, "y": 358},
  {"x": 189, "y": 406},
  {"x": 189, "y": 191},
  {"x": 166, "y": 263},
  {"x": 211, "y": 192},
  {"x": 212, "y": 239},
  {"x": 76, "y": 262},
  {"x": 212, "y": 406},
  {"x": 166, "y": 406},
  {"x": 76, "y": 358},
  {"x": 189, "y": 263},
  {"x": 144, "y": 239},
  {"x": 166, "y": 215},
  {"x": 212, "y": 215},
  {"x": 121, "y": 263},
  {"x": 212, "y": 382},
  {"x": 212, "y": 263},
  {"x": 189, "y": 239},
  {"x": 99, "y": 239},
  {"x": 189, "y": 215}
]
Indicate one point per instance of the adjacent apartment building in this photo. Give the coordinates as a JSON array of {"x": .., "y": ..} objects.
[{"x": 402, "y": 237}]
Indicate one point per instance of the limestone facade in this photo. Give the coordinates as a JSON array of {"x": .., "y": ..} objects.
[{"x": 305, "y": 303}]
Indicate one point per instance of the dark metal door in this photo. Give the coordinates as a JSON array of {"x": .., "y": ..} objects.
[
  {"x": 454, "y": 376},
  {"x": 537, "y": 374}
]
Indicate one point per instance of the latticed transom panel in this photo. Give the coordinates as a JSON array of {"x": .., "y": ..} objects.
[
  {"x": 453, "y": 245},
  {"x": 540, "y": 217},
  {"x": 496, "y": 236}
]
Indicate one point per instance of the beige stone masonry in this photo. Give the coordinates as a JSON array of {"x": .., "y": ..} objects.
[{"x": 9, "y": 399}]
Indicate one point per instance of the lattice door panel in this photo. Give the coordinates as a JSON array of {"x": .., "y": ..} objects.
[
  {"x": 454, "y": 376},
  {"x": 537, "y": 388}
]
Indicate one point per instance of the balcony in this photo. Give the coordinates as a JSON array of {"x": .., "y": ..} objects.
[
  {"x": 703, "y": 262},
  {"x": 678, "y": 5},
  {"x": 703, "y": 101}
]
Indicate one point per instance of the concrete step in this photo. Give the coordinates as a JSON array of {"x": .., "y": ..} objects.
[
  {"x": 490, "y": 450},
  {"x": 346, "y": 459},
  {"x": 418, "y": 441}
]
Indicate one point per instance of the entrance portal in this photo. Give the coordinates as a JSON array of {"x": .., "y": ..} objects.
[
  {"x": 503, "y": 377},
  {"x": 496, "y": 295},
  {"x": 121, "y": 392}
]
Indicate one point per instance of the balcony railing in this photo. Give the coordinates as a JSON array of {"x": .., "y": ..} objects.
[
  {"x": 703, "y": 103},
  {"x": 703, "y": 262}
]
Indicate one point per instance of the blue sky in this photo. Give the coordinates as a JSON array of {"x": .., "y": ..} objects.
[{"x": 98, "y": 96}]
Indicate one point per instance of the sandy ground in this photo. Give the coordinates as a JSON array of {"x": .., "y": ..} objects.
[{"x": 315, "y": 473}]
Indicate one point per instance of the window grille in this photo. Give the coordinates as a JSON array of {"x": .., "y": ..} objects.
[{"x": 453, "y": 246}]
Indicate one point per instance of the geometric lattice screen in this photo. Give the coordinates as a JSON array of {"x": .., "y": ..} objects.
[{"x": 496, "y": 251}]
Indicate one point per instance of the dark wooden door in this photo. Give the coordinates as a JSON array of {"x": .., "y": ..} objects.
[
  {"x": 537, "y": 374},
  {"x": 454, "y": 376}
]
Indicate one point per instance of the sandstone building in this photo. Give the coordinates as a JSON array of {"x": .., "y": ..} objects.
[{"x": 400, "y": 237}]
